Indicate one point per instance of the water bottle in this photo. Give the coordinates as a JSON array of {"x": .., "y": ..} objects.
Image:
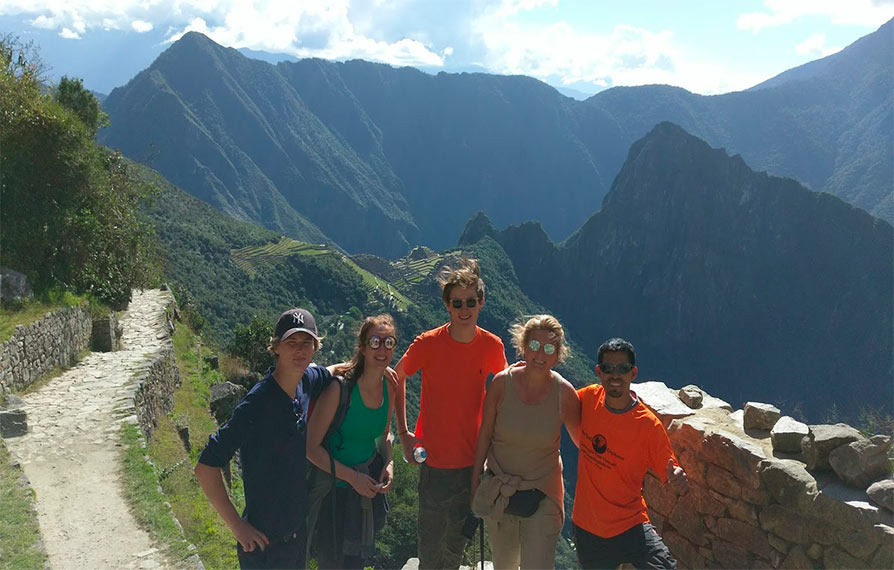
[{"x": 419, "y": 454}]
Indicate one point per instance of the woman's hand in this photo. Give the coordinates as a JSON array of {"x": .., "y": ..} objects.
[
  {"x": 386, "y": 477},
  {"x": 365, "y": 485}
]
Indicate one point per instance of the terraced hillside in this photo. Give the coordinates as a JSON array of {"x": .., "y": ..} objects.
[{"x": 253, "y": 259}]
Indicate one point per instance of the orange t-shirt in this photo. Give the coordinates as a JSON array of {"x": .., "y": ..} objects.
[
  {"x": 616, "y": 450},
  {"x": 452, "y": 395}
]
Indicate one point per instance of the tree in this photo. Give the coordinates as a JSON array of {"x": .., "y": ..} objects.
[
  {"x": 250, "y": 343},
  {"x": 71, "y": 94},
  {"x": 68, "y": 217}
]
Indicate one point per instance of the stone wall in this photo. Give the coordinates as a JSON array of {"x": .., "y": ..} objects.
[
  {"x": 155, "y": 383},
  {"x": 34, "y": 350},
  {"x": 751, "y": 505},
  {"x": 154, "y": 391}
]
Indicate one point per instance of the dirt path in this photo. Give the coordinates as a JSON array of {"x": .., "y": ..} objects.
[{"x": 71, "y": 454}]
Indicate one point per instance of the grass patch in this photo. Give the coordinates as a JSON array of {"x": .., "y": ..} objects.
[
  {"x": 201, "y": 523},
  {"x": 19, "y": 531},
  {"x": 141, "y": 491},
  {"x": 27, "y": 313}
]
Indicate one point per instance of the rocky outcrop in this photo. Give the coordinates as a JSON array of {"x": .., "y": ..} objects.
[{"x": 756, "y": 500}]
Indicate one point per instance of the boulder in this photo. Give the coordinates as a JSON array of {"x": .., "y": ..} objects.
[
  {"x": 213, "y": 361},
  {"x": 224, "y": 397},
  {"x": 692, "y": 396},
  {"x": 822, "y": 439},
  {"x": 13, "y": 423},
  {"x": 861, "y": 462},
  {"x": 788, "y": 482},
  {"x": 882, "y": 493},
  {"x": 14, "y": 288},
  {"x": 662, "y": 401},
  {"x": 787, "y": 434},
  {"x": 760, "y": 416}
]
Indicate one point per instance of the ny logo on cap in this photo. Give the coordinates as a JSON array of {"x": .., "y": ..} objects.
[{"x": 298, "y": 318}]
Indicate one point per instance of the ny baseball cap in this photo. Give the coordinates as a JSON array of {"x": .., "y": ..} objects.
[{"x": 295, "y": 320}]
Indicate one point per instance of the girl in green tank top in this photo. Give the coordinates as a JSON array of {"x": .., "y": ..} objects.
[{"x": 361, "y": 450}]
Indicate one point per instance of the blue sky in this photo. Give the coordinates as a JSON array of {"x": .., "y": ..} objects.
[{"x": 707, "y": 47}]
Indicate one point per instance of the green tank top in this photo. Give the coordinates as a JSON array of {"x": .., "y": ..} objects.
[{"x": 355, "y": 441}]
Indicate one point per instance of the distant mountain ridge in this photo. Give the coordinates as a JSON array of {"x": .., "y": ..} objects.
[
  {"x": 747, "y": 285},
  {"x": 381, "y": 159}
]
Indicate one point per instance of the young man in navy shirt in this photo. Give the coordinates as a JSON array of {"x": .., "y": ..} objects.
[{"x": 268, "y": 427}]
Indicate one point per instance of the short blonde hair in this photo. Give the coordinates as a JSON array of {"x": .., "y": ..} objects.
[{"x": 522, "y": 332}]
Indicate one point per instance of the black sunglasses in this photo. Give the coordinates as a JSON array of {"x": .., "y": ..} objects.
[
  {"x": 299, "y": 415},
  {"x": 622, "y": 368},
  {"x": 458, "y": 303},
  {"x": 376, "y": 341}
]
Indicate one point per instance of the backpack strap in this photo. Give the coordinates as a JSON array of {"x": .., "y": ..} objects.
[{"x": 345, "y": 388}]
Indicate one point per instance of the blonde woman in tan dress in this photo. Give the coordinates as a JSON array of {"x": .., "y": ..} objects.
[{"x": 517, "y": 464}]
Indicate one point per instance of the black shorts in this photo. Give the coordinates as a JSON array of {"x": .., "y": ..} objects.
[{"x": 640, "y": 546}]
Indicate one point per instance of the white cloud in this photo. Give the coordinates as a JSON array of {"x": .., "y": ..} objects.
[
  {"x": 44, "y": 23},
  {"x": 869, "y": 13},
  {"x": 501, "y": 36},
  {"x": 303, "y": 28},
  {"x": 68, "y": 34},
  {"x": 140, "y": 26},
  {"x": 628, "y": 55},
  {"x": 815, "y": 46}
]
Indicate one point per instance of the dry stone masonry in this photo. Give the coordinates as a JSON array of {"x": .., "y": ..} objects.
[
  {"x": 70, "y": 451},
  {"x": 53, "y": 341},
  {"x": 766, "y": 491}
]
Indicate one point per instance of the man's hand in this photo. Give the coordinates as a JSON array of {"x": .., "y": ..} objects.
[
  {"x": 408, "y": 442},
  {"x": 248, "y": 536},
  {"x": 676, "y": 476}
]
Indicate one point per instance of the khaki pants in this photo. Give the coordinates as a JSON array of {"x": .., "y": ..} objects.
[
  {"x": 444, "y": 496},
  {"x": 530, "y": 542}
]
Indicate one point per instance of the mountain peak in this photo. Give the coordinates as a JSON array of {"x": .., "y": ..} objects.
[{"x": 476, "y": 228}]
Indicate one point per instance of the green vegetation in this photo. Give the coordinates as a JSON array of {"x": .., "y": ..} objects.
[
  {"x": 19, "y": 531},
  {"x": 68, "y": 218},
  {"x": 27, "y": 313},
  {"x": 141, "y": 490},
  {"x": 251, "y": 259},
  {"x": 201, "y": 524}
]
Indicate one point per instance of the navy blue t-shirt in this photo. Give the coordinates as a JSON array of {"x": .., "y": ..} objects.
[{"x": 264, "y": 428}]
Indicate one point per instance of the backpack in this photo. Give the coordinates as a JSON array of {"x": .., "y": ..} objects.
[{"x": 344, "y": 401}]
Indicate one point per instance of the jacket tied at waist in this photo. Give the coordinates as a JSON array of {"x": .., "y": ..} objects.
[{"x": 496, "y": 487}]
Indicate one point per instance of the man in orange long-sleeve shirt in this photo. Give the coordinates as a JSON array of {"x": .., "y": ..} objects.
[{"x": 620, "y": 439}]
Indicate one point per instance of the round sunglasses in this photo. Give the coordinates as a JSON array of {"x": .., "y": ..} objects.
[
  {"x": 548, "y": 348},
  {"x": 376, "y": 341}
]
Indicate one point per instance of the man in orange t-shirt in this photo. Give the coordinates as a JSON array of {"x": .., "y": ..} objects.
[
  {"x": 620, "y": 439},
  {"x": 456, "y": 360}
]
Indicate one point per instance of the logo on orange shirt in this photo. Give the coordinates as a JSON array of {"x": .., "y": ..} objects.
[{"x": 599, "y": 443}]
